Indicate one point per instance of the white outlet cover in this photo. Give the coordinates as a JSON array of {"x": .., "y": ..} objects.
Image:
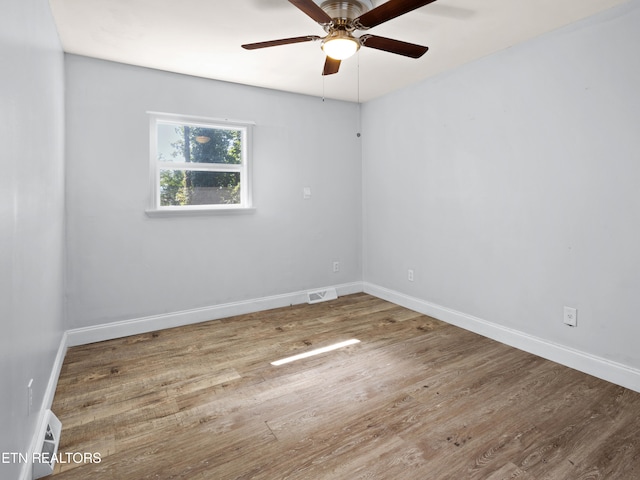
[{"x": 570, "y": 316}]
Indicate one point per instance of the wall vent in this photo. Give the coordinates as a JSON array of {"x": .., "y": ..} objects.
[
  {"x": 49, "y": 439},
  {"x": 323, "y": 295}
]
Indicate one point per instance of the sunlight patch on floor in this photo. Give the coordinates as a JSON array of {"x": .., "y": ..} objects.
[{"x": 317, "y": 351}]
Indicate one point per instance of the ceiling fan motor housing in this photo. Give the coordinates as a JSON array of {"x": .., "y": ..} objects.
[{"x": 346, "y": 9}]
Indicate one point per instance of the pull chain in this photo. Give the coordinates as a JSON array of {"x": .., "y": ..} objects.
[{"x": 358, "y": 74}]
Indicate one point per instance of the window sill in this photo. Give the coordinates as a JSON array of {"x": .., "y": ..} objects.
[{"x": 190, "y": 212}]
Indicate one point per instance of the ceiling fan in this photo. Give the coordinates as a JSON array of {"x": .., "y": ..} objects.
[{"x": 340, "y": 18}]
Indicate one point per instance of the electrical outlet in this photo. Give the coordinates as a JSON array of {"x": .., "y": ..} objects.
[
  {"x": 29, "y": 396},
  {"x": 570, "y": 316},
  {"x": 410, "y": 275},
  {"x": 336, "y": 267}
]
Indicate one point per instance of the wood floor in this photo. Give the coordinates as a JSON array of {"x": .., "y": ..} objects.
[{"x": 416, "y": 399}]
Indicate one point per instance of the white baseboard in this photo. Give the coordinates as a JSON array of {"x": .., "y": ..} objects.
[
  {"x": 47, "y": 401},
  {"x": 599, "y": 367},
  {"x": 109, "y": 331},
  {"x": 613, "y": 372}
]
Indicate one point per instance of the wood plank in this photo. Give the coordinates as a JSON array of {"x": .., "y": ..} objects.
[{"x": 416, "y": 399}]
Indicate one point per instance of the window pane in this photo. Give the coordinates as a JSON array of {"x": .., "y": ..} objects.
[
  {"x": 191, "y": 187},
  {"x": 191, "y": 143}
]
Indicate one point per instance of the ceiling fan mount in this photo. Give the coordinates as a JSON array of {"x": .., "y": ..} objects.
[
  {"x": 346, "y": 10},
  {"x": 340, "y": 18}
]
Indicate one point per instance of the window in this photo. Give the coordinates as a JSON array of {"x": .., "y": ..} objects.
[{"x": 199, "y": 164}]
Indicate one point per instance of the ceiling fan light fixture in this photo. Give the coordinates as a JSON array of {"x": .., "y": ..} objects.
[{"x": 340, "y": 45}]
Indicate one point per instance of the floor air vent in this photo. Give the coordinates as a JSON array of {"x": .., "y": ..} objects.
[
  {"x": 45, "y": 459},
  {"x": 322, "y": 295}
]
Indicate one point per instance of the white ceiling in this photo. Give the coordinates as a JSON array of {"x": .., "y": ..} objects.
[{"x": 203, "y": 38}]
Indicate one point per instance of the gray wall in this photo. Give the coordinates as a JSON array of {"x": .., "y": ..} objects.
[
  {"x": 31, "y": 215},
  {"x": 511, "y": 187},
  {"x": 125, "y": 265}
]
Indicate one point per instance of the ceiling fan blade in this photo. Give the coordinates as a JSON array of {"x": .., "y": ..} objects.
[
  {"x": 393, "y": 46},
  {"x": 312, "y": 10},
  {"x": 331, "y": 66},
  {"x": 388, "y": 11},
  {"x": 283, "y": 41}
]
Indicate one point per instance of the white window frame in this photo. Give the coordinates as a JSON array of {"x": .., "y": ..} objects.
[{"x": 156, "y": 165}]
